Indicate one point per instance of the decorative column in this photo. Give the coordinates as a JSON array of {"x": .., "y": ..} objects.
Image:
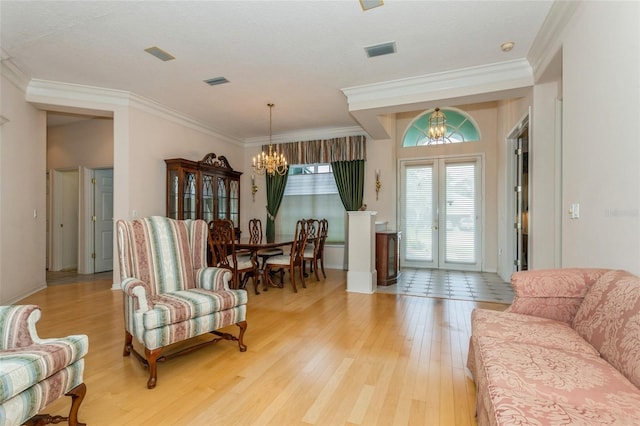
[{"x": 362, "y": 275}]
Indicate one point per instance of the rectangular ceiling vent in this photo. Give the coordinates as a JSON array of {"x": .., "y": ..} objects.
[
  {"x": 216, "y": 81},
  {"x": 381, "y": 49},
  {"x": 159, "y": 53}
]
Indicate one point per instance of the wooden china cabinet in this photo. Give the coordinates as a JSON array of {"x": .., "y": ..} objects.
[
  {"x": 207, "y": 189},
  {"x": 387, "y": 257}
]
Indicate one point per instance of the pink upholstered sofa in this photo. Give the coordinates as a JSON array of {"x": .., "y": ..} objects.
[{"x": 567, "y": 351}]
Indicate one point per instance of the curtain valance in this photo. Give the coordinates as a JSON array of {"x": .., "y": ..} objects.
[{"x": 323, "y": 151}]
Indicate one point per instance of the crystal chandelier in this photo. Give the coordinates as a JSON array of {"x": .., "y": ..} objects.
[
  {"x": 270, "y": 163},
  {"x": 437, "y": 127}
]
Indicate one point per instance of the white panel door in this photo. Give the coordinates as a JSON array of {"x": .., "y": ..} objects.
[{"x": 103, "y": 211}]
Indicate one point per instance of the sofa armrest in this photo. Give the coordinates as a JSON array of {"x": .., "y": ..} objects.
[
  {"x": 136, "y": 289},
  {"x": 213, "y": 278},
  {"x": 552, "y": 293},
  {"x": 18, "y": 326}
]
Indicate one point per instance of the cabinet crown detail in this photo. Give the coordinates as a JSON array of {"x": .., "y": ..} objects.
[{"x": 212, "y": 160}]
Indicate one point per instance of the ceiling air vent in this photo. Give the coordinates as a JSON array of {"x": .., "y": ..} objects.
[
  {"x": 159, "y": 53},
  {"x": 216, "y": 81},
  {"x": 381, "y": 49}
]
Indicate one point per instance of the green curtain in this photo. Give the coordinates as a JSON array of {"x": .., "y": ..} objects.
[
  {"x": 275, "y": 191},
  {"x": 349, "y": 176}
]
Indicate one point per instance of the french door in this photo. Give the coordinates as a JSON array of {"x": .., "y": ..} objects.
[{"x": 441, "y": 204}]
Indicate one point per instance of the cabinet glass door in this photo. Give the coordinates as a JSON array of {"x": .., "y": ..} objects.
[
  {"x": 172, "y": 197},
  {"x": 222, "y": 198},
  {"x": 207, "y": 198},
  {"x": 392, "y": 257},
  {"x": 234, "y": 202},
  {"x": 189, "y": 196}
]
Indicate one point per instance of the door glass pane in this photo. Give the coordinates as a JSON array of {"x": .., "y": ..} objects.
[
  {"x": 189, "y": 196},
  {"x": 222, "y": 199},
  {"x": 173, "y": 195},
  {"x": 391, "y": 261},
  {"x": 460, "y": 211},
  {"x": 418, "y": 208},
  {"x": 207, "y": 198},
  {"x": 234, "y": 201}
]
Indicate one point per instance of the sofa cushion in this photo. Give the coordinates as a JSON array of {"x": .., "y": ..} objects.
[
  {"x": 528, "y": 329},
  {"x": 21, "y": 368},
  {"x": 171, "y": 308},
  {"x": 518, "y": 382},
  {"x": 609, "y": 319}
]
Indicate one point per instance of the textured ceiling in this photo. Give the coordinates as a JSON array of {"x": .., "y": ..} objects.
[{"x": 296, "y": 54}]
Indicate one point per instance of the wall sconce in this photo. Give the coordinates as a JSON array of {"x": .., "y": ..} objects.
[
  {"x": 254, "y": 188},
  {"x": 378, "y": 184}
]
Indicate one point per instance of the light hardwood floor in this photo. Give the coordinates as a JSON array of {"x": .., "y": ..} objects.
[{"x": 319, "y": 357}]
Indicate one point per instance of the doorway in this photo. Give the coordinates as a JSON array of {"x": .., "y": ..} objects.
[
  {"x": 81, "y": 220},
  {"x": 518, "y": 142},
  {"x": 441, "y": 211}
]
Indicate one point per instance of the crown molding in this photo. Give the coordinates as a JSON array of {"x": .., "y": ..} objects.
[
  {"x": 549, "y": 38},
  {"x": 12, "y": 72},
  {"x": 306, "y": 135},
  {"x": 481, "y": 79},
  {"x": 101, "y": 101}
]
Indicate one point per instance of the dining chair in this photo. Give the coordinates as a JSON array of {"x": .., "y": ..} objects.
[
  {"x": 314, "y": 252},
  {"x": 311, "y": 249},
  {"x": 324, "y": 232},
  {"x": 291, "y": 261},
  {"x": 222, "y": 242},
  {"x": 255, "y": 237}
]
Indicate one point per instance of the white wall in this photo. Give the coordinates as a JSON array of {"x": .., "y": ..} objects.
[
  {"x": 601, "y": 140},
  {"x": 544, "y": 226},
  {"x": 22, "y": 191},
  {"x": 87, "y": 143},
  {"x": 153, "y": 138}
]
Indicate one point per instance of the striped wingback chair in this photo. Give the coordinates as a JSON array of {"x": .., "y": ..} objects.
[
  {"x": 170, "y": 294},
  {"x": 34, "y": 372}
]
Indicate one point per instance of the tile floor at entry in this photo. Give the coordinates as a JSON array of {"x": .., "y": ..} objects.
[{"x": 445, "y": 284}]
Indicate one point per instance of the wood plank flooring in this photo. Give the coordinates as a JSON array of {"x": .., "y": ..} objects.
[{"x": 319, "y": 357}]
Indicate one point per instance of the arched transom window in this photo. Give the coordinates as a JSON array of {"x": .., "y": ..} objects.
[{"x": 460, "y": 128}]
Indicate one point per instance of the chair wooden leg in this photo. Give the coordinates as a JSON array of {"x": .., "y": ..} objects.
[
  {"x": 314, "y": 262},
  {"x": 292, "y": 275},
  {"x": 256, "y": 281},
  {"x": 322, "y": 266},
  {"x": 77, "y": 395},
  {"x": 243, "y": 327},
  {"x": 152, "y": 358},
  {"x": 304, "y": 284},
  {"x": 128, "y": 343}
]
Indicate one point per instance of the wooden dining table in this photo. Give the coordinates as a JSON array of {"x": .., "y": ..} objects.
[{"x": 280, "y": 241}]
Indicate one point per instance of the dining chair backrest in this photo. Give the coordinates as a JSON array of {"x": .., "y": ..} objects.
[
  {"x": 322, "y": 235},
  {"x": 299, "y": 241},
  {"x": 222, "y": 242},
  {"x": 255, "y": 231}
]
